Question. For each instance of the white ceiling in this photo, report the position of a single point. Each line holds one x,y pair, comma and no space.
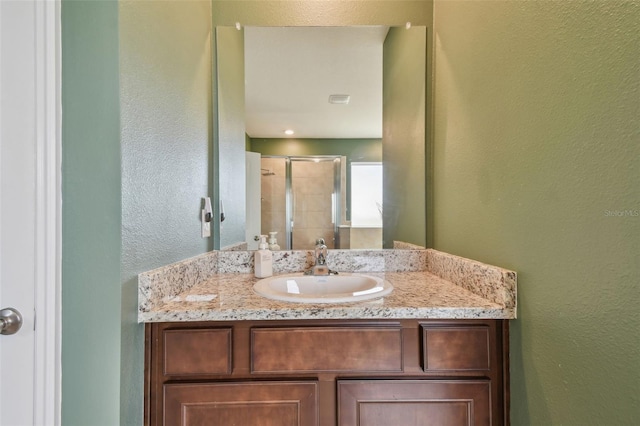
290,72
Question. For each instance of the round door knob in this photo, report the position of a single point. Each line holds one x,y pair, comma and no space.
10,321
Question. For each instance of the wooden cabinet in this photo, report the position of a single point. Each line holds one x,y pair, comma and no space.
244,404
414,402
327,373
344,348
196,352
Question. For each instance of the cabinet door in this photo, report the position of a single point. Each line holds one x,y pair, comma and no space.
242,404
451,347
414,403
197,352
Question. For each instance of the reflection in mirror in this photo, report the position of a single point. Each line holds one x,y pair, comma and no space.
353,99
302,200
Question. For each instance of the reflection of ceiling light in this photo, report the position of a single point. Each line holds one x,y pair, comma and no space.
289,132
339,99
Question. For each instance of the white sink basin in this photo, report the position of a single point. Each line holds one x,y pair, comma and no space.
341,288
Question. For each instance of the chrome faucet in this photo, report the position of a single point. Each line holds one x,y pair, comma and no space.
320,252
320,260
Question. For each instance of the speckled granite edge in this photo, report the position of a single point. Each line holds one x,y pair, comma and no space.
159,284
347,312
495,284
338,260
405,260
420,294
242,262
377,260
490,282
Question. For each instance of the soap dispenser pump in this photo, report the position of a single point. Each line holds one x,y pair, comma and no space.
263,259
273,243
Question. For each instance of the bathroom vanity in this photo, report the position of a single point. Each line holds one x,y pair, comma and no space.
434,349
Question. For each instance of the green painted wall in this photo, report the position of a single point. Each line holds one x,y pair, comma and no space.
353,149
537,159
91,243
536,169
136,142
166,121
135,165
322,13
404,136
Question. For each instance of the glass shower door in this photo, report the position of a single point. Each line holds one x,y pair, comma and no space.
314,198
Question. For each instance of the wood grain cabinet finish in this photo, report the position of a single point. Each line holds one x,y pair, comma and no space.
322,349
456,347
196,352
242,404
327,373
414,402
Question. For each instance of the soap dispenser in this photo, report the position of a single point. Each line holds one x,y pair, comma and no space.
263,259
273,243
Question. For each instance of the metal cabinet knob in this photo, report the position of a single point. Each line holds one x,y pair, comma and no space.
10,321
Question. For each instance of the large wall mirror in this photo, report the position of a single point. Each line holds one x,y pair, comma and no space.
320,134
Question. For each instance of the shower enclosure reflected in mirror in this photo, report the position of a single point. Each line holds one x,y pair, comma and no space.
301,199
263,88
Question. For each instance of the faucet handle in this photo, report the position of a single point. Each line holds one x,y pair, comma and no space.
321,254
320,241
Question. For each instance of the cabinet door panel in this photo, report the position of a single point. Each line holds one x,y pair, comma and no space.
382,413
414,403
246,404
277,413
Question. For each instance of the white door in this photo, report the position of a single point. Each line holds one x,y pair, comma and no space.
29,210
254,203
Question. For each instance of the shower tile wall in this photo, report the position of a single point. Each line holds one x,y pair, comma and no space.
273,187
312,186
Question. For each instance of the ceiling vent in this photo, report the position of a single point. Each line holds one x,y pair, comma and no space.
339,99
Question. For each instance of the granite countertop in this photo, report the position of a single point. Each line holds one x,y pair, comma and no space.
227,297
437,289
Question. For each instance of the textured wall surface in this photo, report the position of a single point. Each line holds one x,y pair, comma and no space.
165,95
131,195
90,214
321,12
537,160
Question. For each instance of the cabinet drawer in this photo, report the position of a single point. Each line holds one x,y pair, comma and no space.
464,347
246,404
197,351
414,402
323,349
